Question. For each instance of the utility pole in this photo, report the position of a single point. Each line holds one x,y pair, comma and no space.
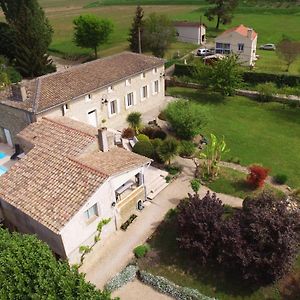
140,42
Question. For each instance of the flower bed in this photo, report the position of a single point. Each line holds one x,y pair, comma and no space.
128,222
122,278
165,286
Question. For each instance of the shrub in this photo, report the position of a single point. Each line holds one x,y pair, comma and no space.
186,118
199,226
186,148
168,149
128,133
257,176
174,169
122,278
166,286
144,148
125,225
195,185
266,91
280,178
168,178
141,251
143,138
154,132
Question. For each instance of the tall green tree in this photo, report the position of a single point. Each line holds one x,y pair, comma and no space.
28,270
135,33
158,34
90,31
7,40
32,36
222,9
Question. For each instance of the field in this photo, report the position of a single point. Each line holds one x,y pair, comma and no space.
270,23
264,133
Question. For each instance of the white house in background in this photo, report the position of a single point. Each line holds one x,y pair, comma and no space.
240,40
100,92
71,177
190,32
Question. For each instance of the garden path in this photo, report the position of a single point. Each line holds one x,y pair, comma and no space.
111,255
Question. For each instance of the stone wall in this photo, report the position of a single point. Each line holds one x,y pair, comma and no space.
14,120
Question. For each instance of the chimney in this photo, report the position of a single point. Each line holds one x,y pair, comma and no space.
249,33
102,139
18,92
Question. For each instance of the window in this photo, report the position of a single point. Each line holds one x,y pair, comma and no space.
241,47
129,100
144,92
223,48
156,87
113,107
110,89
128,82
88,97
91,212
154,70
143,75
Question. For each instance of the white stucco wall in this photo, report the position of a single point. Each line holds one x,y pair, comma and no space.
79,108
246,57
190,34
79,232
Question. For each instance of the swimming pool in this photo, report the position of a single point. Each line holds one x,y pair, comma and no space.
2,170
2,155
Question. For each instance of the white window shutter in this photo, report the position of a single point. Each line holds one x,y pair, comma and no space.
109,109
148,90
125,102
153,88
118,106
134,98
141,93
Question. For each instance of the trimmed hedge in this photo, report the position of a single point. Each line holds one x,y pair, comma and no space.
122,278
167,287
249,77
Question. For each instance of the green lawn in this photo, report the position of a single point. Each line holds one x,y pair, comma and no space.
261,17
265,133
168,261
232,182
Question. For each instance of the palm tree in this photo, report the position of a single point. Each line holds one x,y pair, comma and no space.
134,120
168,149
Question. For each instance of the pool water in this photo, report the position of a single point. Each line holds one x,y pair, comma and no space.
2,155
2,170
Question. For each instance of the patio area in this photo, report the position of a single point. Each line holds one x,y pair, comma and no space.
5,162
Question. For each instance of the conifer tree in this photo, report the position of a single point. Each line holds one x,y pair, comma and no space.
137,25
32,36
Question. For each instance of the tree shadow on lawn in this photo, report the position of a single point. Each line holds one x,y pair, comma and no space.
168,256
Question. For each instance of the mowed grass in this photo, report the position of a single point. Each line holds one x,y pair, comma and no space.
264,133
270,23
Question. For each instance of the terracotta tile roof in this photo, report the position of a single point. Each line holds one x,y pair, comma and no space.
51,183
188,24
241,29
54,89
115,161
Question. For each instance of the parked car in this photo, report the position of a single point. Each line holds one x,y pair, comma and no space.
271,47
203,52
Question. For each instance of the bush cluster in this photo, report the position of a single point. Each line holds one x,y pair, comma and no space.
122,278
257,243
257,176
141,250
167,287
154,133
280,178
128,133
144,148
187,148
143,138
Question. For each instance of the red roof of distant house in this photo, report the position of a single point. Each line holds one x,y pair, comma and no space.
242,30
188,24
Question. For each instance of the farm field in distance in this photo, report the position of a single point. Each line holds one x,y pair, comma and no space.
261,17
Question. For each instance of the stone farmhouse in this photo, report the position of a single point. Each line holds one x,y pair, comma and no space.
240,40
71,177
100,93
